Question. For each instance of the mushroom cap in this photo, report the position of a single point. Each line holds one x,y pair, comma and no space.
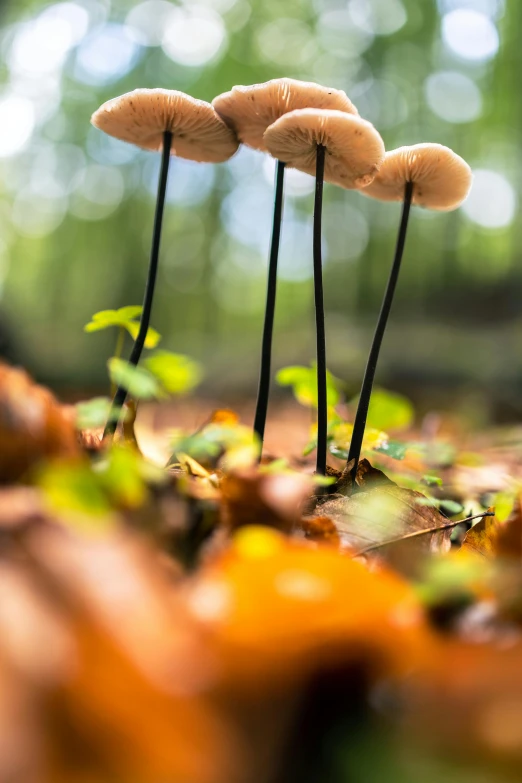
441,178
354,149
142,116
250,110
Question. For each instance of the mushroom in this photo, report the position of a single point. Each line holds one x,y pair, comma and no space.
428,175
170,122
442,179
344,149
250,111
355,149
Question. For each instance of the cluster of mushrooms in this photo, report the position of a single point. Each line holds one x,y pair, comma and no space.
314,129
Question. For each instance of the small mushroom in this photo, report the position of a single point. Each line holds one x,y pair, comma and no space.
354,149
170,122
250,111
428,175
343,149
441,178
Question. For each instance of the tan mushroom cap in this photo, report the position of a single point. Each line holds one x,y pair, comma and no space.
441,178
141,117
354,149
250,110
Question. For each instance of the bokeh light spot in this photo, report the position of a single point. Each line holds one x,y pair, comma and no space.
39,209
297,183
492,8
16,124
193,35
286,42
339,34
453,96
379,17
189,184
40,46
470,34
106,55
492,202
146,22
99,193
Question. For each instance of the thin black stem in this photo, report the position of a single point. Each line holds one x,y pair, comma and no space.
121,393
268,328
369,375
322,411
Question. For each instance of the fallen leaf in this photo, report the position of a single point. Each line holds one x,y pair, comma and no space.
468,701
321,530
251,497
482,537
132,666
509,539
33,425
278,609
386,519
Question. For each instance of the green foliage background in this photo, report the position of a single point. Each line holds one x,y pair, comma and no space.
457,320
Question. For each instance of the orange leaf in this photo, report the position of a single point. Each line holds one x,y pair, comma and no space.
482,538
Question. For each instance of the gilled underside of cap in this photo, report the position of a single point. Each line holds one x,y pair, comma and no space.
354,149
141,117
250,110
441,178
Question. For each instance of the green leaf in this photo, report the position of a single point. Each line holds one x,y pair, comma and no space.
138,381
303,381
120,474
152,339
323,481
394,449
177,373
73,487
432,481
197,446
445,578
213,440
450,507
94,413
128,312
276,467
389,411
124,319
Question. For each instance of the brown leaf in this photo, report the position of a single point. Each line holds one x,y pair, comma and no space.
509,539
482,537
390,521
20,507
33,425
469,700
126,666
367,477
321,530
253,498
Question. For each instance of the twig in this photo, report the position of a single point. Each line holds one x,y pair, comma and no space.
448,526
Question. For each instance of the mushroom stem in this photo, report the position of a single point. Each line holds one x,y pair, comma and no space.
322,414
369,375
268,327
121,393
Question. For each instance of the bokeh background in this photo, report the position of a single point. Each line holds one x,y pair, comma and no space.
76,206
